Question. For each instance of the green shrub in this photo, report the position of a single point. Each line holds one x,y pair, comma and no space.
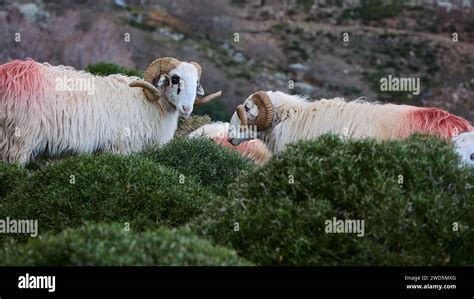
141,25
409,193
106,68
374,10
212,165
216,110
11,176
305,4
188,125
240,3
106,188
111,245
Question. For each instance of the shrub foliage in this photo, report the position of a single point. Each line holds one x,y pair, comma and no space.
105,188
107,68
11,176
212,165
417,205
112,245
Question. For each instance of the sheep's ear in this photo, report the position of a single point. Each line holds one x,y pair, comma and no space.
163,80
200,90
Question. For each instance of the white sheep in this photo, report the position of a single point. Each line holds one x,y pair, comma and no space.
56,110
464,146
211,131
255,149
278,119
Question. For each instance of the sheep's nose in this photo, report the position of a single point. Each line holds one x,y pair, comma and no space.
472,157
187,109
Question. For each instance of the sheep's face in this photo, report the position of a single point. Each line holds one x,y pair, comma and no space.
168,79
251,110
251,118
237,132
464,146
180,87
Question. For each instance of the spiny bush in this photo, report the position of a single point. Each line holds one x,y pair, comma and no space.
187,125
112,245
107,68
212,165
11,176
106,188
417,205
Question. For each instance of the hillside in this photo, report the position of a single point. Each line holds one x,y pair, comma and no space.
295,46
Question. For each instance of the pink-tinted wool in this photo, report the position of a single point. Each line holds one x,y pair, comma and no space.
254,149
438,122
22,81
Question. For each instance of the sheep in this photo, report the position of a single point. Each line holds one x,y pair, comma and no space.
51,111
211,130
464,146
255,150
278,119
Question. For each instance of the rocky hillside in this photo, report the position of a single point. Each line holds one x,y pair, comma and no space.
317,48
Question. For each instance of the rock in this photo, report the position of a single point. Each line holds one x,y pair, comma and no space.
280,76
29,11
298,68
239,57
32,12
120,3
172,35
304,88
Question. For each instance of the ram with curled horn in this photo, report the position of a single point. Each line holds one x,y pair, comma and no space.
115,113
279,119
172,73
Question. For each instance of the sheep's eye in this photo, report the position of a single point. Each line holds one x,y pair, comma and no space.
175,79
472,157
246,109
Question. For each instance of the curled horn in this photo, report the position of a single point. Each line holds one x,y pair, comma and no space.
164,66
153,71
241,114
148,87
207,99
265,110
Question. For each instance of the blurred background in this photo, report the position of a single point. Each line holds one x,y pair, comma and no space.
294,46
